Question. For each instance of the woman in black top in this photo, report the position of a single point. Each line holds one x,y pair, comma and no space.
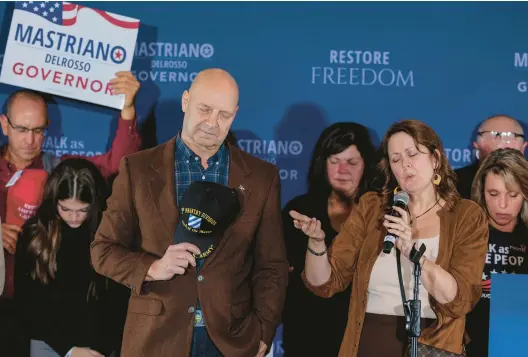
501,188
342,167
67,309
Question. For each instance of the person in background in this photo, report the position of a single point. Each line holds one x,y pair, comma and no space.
501,189
342,166
499,131
25,123
454,231
65,307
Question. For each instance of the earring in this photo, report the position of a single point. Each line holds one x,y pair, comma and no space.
396,189
437,179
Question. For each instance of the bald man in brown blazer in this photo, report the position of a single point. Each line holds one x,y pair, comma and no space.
240,288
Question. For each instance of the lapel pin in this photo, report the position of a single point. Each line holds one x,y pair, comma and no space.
241,188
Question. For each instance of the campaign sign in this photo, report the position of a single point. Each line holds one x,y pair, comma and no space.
68,50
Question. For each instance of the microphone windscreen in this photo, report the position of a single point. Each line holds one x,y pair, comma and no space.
402,197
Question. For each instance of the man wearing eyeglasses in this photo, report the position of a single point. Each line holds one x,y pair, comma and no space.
25,123
499,131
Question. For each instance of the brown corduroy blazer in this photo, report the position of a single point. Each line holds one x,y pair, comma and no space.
242,284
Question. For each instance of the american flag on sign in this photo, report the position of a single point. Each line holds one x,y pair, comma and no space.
65,13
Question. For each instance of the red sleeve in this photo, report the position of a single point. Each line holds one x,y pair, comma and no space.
126,142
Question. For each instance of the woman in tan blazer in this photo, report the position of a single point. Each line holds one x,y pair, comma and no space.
454,231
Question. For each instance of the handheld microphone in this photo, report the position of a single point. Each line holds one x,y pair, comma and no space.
401,199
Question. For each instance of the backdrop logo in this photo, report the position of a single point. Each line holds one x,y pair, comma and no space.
459,157
275,151
361,68
170,62
61,145
271,147
520,60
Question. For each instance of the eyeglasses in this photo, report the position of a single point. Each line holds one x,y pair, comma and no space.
41,131
504,136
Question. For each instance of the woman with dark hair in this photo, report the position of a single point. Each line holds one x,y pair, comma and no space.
342,165
67,308
500,187
453,230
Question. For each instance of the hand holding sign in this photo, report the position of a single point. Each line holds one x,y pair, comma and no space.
69,50
126,84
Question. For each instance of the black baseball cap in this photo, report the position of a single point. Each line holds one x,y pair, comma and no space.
206,210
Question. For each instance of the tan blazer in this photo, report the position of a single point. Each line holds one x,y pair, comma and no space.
462,252
241,286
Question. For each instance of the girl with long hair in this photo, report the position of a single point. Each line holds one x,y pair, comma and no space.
67,308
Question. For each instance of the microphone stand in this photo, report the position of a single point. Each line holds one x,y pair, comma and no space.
414,306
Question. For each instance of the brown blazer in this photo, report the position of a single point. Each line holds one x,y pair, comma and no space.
462,253
241,286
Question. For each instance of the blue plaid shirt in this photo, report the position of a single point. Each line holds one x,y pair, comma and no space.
189,169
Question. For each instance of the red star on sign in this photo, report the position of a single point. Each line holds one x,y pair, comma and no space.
118,54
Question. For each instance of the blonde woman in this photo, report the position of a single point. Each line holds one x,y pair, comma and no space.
500,187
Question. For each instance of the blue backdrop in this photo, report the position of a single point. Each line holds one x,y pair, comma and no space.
303,66
508,315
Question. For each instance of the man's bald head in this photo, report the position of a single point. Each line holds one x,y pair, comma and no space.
217,78
210,106
23,97
501,123
487,142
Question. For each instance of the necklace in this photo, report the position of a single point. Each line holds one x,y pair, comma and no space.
415,218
